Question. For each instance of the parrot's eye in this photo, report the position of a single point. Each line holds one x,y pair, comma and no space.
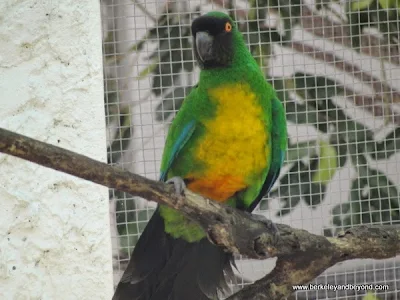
228,27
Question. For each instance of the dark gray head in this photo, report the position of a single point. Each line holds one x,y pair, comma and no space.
213,40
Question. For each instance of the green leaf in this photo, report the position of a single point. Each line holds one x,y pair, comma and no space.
360,4
327,164
387,3
370,296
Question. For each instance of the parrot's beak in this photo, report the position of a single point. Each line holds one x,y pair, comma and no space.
204,42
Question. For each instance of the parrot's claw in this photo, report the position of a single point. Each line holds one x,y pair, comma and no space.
179,185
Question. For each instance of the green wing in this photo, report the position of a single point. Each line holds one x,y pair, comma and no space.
184,135
179,133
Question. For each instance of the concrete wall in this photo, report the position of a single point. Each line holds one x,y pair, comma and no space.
54,228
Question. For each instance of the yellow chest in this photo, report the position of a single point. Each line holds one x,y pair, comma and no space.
234,147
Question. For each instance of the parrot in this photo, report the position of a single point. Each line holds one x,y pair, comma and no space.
227,143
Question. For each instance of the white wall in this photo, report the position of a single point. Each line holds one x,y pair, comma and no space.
54,228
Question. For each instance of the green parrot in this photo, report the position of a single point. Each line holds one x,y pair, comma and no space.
226,143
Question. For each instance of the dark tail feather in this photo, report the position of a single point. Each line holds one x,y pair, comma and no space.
164,268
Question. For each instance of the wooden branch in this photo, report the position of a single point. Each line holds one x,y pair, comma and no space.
227,227
302,256
312,254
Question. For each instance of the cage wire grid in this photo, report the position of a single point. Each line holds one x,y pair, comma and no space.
336,68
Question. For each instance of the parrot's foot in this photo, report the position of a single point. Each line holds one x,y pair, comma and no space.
179,185
271,227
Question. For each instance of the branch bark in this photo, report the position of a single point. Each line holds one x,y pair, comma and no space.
302,256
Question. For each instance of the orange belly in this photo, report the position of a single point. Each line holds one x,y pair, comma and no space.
218,188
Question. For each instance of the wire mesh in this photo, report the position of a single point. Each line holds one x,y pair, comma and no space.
335,66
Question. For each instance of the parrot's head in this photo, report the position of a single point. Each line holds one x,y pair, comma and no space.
213,38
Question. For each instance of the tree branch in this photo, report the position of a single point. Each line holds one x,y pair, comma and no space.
312,254
302,256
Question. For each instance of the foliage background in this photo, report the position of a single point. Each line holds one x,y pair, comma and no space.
335,65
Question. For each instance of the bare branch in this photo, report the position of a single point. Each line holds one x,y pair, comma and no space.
302,256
